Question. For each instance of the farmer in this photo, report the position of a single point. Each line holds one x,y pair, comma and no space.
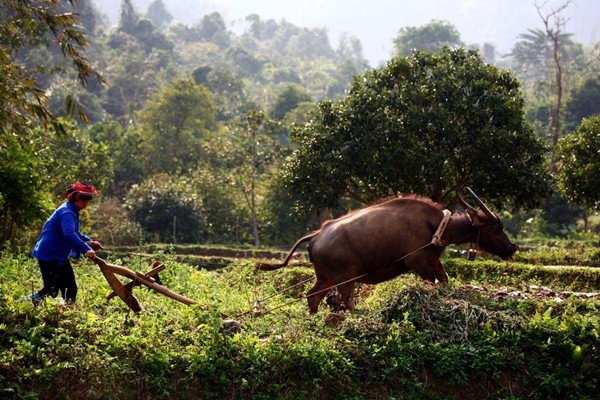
60,238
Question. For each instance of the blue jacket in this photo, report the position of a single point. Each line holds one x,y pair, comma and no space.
60,235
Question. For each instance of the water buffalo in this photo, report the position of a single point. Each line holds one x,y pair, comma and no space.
377,243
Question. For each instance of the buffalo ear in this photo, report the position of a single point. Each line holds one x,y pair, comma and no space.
475,218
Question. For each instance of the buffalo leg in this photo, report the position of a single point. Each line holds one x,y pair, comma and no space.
347,292
440,272
425,272
317,294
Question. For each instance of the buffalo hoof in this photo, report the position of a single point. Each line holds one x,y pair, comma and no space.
230,327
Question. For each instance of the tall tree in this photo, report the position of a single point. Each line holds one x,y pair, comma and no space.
129,17
428,124
159,15
172,124
579,164
289,98
430,37
26,26
554,24
23,199
255,151
584,101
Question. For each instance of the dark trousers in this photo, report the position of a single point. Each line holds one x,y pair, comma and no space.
57,277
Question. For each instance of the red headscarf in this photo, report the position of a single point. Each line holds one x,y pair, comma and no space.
81,189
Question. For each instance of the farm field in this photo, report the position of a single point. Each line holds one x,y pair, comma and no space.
529,329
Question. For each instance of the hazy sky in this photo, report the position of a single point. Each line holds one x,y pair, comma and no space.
376,22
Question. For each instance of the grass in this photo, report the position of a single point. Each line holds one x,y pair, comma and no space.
498,331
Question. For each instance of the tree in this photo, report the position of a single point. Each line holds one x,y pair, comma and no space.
280,223
579,164
159,15
23,195
289,98
34,24
74,156
27,27
254,152
428,124
430,37
147,34
554,35
129,17
213,28
584,102
173,122
530,56
228,90
134,76
167,208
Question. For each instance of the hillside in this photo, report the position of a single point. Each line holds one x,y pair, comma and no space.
497,331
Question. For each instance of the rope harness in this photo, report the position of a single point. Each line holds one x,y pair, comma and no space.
436,240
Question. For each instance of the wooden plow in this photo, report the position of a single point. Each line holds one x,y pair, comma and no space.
137,278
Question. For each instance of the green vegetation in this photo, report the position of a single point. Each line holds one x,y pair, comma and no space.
498,331
196,134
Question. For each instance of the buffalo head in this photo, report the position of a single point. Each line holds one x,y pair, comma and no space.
490,231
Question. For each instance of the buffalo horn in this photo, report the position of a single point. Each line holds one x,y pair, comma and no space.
463,203
483,206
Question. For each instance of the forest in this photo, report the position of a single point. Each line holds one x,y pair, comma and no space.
196,134
214,151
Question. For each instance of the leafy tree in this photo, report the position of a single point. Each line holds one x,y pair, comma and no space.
225,219
280,224
25,29
308,44
287,100
129,17
254,153
74,156
262,30
90,17
559,217
134,76
27,25
554,34
23,192
579,164
351,62
143,30
430,37
228,90
584,102
123,146
172,124
530,56
112,224
200,207
427,124
544,60
159,15
167,208
212,28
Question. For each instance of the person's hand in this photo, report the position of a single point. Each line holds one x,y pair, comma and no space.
95,245
91,254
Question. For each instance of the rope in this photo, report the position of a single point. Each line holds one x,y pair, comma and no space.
412,252
286,289
310,295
